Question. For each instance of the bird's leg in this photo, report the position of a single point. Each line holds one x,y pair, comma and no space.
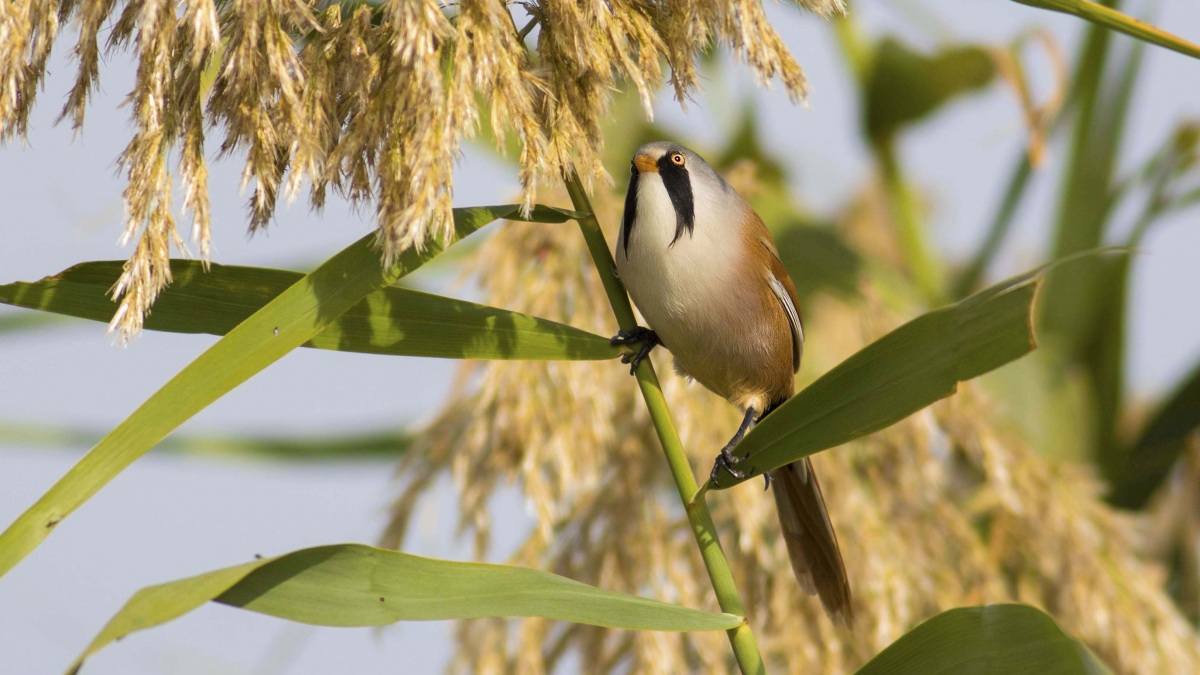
725,458
639,335
766,476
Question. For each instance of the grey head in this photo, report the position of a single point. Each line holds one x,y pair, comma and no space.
686,177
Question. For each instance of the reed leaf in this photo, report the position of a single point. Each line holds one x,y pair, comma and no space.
1112,19
294,317
1010,639
1085,303
357,585
905,86
373,445
392,320
1161,443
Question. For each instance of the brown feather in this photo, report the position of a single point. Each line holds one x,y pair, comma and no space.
732,345
765,256
722,302
811,542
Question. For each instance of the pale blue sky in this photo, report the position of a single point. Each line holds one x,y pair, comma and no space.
169,517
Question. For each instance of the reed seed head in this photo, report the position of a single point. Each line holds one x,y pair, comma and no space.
371,100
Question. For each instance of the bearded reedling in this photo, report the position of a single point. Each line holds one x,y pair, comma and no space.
704,272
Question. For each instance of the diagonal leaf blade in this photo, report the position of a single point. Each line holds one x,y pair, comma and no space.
911,367
357,585
394,321
383,444
1162,442
294,317
1112,19
1010,639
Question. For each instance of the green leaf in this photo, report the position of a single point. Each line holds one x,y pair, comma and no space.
1084,319
911,367
1111,18
25,322
900,87
1009,639
904,86
971,276
1134,471
373,445
1162,442
356,585
1104,363
396,321
303,311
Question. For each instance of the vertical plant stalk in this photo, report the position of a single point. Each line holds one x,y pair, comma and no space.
902,201
1103,15
999,229
855,49
745,647
1083,198
1080,307
905,211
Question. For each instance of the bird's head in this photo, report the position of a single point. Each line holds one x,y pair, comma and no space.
687,180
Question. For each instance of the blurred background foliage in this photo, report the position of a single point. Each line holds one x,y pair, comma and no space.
871,259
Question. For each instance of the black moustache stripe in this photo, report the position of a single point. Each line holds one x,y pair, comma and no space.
679,189
630,208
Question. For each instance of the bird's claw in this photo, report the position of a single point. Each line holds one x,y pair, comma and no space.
726,460
635,359
632,336
646,340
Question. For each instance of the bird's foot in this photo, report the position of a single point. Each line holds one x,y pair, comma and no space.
633,336
726,460
646,340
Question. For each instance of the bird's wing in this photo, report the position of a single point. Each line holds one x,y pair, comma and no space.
783,288
787,298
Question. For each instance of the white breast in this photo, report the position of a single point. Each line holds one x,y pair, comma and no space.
681,289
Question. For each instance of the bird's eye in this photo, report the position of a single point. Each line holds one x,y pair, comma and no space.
677,159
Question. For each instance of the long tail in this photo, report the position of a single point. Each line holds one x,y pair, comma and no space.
811,542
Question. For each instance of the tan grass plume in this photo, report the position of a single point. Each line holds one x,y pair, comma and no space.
371,100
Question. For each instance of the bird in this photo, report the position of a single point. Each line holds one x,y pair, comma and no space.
706,276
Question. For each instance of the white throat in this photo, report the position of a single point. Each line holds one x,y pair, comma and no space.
674,284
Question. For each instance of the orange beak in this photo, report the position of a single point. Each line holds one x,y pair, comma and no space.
645,164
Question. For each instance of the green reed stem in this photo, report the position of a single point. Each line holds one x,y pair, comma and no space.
745,647
1001,224
911,234
1110,18
903,204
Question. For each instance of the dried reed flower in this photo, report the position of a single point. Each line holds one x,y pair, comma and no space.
27,32
371,100
1038,117
824,7
945,509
